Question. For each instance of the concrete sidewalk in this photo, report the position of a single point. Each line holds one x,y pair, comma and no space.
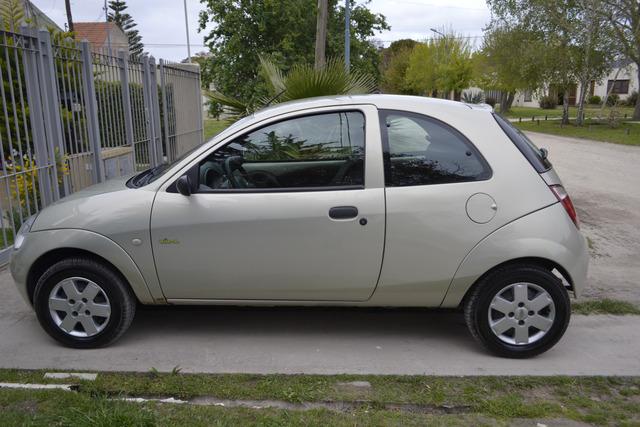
313,341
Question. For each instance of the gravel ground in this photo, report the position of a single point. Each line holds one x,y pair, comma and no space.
604,182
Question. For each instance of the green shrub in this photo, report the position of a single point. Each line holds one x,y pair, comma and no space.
612,99
632,99
594,100
548,102
491,101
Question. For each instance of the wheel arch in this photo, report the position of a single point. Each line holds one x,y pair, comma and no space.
45,248
48,259
545,263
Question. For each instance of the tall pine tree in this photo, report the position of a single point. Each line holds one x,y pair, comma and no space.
126,24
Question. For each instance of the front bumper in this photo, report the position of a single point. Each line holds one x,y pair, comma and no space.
19,268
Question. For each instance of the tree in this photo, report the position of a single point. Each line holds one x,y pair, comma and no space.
302,81
365,51
321,33
12,14
127,25
566,29
421,74
596,50
205,61
440,66
284,31
511,59
393,66
624,18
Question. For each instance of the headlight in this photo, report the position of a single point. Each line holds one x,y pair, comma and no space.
24,229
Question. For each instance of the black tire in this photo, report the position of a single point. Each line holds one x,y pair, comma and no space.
476,309
121,299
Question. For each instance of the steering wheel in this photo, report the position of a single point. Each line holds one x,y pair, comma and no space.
232,164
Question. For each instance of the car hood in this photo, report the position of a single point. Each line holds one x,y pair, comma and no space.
109,186
108,208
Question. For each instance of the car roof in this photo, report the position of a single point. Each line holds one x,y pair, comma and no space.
391,102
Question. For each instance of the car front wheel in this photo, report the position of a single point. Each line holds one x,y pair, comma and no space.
518,311
83,303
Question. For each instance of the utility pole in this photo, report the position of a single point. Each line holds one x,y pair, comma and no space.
347,35
321,33
106,19
67,5
186,26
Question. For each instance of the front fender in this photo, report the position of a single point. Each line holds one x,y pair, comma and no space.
547,234
39,243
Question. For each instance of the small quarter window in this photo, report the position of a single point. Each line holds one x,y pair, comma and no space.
420,150
311,152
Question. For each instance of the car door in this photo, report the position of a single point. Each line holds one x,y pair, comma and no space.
289,210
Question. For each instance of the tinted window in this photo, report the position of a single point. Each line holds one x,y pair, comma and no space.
318,151
422,151
524,144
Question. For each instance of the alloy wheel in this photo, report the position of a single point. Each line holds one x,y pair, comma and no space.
521,313
79,307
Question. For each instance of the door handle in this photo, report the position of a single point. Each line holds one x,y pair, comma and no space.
343,212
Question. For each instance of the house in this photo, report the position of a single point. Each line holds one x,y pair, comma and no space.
102,36
622,80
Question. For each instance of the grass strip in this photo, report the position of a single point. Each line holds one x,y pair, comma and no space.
486,400
626,134
605,306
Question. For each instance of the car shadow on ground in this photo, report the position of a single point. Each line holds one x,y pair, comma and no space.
237,322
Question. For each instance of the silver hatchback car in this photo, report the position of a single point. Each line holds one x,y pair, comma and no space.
378,200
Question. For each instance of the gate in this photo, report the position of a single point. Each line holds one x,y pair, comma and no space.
73,116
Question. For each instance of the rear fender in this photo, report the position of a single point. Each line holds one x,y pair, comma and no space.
546,234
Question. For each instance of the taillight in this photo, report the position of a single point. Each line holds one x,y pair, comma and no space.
564,198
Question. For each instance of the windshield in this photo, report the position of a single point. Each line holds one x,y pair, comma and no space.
152,174
149,175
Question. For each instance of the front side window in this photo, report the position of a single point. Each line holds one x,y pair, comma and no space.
312,152
420,150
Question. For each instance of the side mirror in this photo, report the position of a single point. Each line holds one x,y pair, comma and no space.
183,185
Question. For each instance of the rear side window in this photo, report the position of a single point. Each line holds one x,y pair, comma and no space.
524,144
420,150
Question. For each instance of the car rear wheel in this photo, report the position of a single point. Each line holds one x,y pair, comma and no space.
83,303
518,311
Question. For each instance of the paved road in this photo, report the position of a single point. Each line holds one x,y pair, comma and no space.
320,341
603,180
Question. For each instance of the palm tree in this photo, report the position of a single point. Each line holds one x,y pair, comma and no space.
302,81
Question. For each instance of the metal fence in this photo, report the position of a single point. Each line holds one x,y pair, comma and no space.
72,116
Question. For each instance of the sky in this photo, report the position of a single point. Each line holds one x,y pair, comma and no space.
162,26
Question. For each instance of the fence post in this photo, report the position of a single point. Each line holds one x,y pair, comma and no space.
148,108
153,86
201,116
126,99
165,117
91,112
34,101
51,104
